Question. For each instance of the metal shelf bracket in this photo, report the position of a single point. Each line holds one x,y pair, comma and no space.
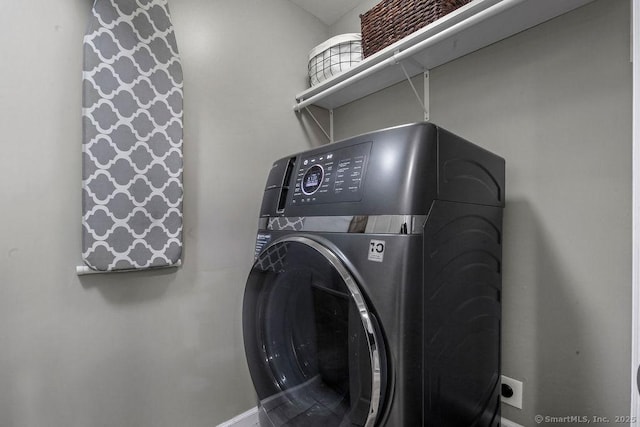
329,134
424,100
426,96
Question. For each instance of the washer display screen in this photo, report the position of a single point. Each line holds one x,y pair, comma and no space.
312,179
331,176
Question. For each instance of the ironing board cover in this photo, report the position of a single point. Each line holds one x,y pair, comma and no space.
132,188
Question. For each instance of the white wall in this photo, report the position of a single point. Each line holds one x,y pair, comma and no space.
138,349
555,101
350,22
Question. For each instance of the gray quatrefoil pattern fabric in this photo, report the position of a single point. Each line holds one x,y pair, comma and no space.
132,137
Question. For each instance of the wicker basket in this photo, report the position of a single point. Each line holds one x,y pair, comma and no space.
391,20
334,56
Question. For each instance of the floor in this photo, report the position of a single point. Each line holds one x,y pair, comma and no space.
250,419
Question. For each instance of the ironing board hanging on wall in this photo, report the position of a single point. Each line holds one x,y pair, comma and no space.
132,188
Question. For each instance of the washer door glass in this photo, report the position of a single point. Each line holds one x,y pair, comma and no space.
312,346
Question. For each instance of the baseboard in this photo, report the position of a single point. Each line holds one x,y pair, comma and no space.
246,419
250,419
508,423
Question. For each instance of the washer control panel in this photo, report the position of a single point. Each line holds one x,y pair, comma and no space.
332,176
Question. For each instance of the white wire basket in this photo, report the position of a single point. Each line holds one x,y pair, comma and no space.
334,56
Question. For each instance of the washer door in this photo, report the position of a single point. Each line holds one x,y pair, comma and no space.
313,347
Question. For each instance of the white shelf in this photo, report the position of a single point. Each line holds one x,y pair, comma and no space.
473,26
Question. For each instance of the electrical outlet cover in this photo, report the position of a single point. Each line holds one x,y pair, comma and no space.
516,386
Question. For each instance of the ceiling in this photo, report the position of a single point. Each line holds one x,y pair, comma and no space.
328,11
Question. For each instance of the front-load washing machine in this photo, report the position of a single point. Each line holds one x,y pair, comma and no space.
374,299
